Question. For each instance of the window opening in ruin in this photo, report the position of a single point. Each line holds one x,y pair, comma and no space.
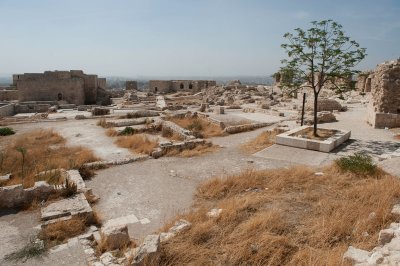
182,86
190,86
155,89
60,97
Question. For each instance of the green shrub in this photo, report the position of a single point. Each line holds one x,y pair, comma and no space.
127,131
359,163
6,131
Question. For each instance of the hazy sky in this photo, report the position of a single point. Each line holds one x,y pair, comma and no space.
179,37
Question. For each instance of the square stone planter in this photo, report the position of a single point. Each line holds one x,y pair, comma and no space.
290,138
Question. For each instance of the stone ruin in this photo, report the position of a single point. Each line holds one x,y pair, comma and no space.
384,106
364,81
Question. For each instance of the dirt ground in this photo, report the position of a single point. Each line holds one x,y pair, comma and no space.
155,190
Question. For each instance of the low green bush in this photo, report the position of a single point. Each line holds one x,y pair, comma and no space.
127,131
358,163
6,131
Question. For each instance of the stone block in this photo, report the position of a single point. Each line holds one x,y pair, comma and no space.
148,252
385,236
115,236
355,255
219,110
73,206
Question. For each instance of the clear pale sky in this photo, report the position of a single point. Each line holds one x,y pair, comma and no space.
179,37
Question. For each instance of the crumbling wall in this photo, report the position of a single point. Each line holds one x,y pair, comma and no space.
166,86
73,86
16,196
8,94
7,110
384,106
51,89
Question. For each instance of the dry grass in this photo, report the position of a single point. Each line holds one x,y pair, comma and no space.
262,141
139,143
284,217
102,122
322,134
197,151
199,126
43,150
168,133
111,132
58,233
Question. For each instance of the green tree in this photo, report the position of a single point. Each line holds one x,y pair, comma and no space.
319,55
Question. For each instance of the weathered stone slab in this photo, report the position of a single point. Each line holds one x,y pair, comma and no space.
115,236
75,177
148,252
75,205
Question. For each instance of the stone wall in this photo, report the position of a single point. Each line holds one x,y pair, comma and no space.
384,105
167,86
8,94
73,86
323,105
50,89
16,196
7,110
364,81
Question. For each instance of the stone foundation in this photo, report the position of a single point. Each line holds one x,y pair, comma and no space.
16,196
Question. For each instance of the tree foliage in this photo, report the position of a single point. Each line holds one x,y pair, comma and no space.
319,55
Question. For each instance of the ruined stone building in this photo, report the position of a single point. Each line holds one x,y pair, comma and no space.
73,87
167,86
364,81
384,105
131,85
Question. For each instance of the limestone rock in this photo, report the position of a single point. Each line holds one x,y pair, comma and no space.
148,252
214,213
355,255
115,236
385,236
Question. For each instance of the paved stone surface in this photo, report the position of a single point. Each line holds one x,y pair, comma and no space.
295,155
392,166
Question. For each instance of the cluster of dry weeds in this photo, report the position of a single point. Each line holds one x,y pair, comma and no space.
284,217
31,153
262,141
196,151
138,143
200,126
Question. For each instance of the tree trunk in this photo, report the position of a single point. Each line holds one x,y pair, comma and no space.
315,114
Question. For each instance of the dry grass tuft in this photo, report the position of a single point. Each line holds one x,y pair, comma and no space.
262,141
58,233
30,153
137,143
111,132
102,122
197,151
284,217
200,127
